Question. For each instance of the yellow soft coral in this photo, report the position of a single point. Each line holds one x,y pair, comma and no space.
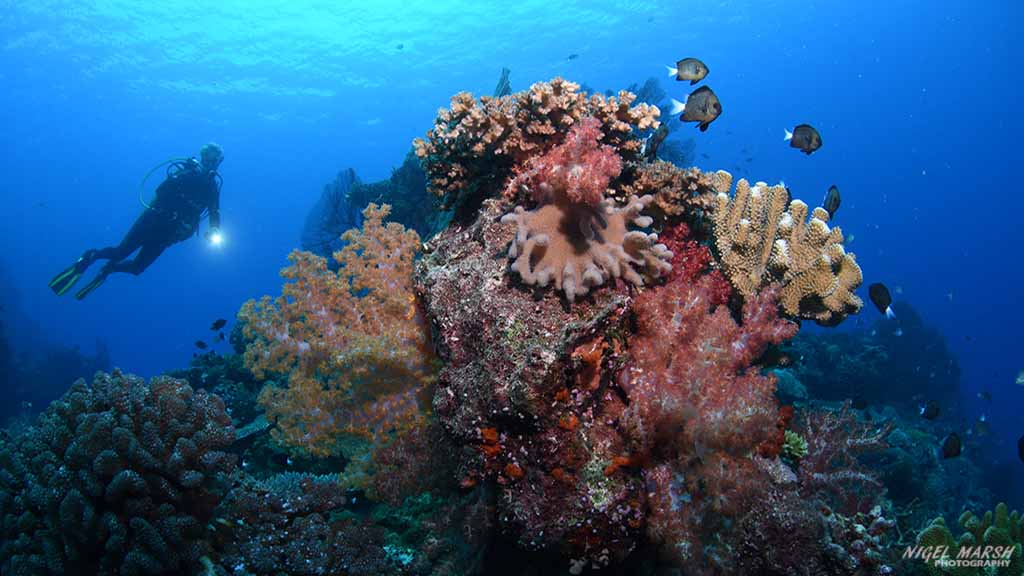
351,343
760,241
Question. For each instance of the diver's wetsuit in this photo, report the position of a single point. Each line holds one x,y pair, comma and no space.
173,216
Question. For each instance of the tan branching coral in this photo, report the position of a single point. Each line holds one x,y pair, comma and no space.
761,242
474,144
678,192
564,243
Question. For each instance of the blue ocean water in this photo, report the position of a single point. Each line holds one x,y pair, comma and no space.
917,104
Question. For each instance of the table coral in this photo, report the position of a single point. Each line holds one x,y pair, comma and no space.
350,343
118,477
760,241
576,239
474,144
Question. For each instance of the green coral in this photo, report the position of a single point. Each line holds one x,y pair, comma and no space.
998,527
794,447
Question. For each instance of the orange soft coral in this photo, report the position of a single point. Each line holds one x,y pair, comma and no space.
351,343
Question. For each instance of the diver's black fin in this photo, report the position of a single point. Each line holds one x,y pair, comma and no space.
96,283
704,127
63,282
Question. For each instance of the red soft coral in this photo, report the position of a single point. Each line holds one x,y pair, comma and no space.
698,406
577,171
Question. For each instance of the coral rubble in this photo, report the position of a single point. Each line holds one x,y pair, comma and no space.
762,237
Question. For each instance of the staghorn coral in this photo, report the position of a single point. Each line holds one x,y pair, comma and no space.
576,239
475,144
350,343
997,528
118,477
760,242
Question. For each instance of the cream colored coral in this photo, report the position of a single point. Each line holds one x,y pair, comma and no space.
760,241
578,247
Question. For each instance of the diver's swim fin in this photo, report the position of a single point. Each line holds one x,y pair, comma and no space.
96,283
63,282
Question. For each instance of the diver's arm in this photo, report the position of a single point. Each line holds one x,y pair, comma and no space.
215,208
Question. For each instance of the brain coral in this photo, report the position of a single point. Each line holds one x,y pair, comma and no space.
118,477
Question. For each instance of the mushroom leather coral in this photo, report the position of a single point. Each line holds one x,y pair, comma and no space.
351,343
575,238
760,242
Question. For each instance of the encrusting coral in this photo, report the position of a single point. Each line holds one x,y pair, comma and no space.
576,238
350,343
760,242
117,477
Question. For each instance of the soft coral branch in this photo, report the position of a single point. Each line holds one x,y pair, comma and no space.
351,343
576,171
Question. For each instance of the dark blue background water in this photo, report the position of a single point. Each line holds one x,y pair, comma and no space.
918,105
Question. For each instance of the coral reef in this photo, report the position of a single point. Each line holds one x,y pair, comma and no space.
226,376
779,534
350,343
117,477
575,238
997,528
680,152
506,393
760,242
794,447
474,145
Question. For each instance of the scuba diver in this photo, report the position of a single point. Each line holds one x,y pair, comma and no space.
190,190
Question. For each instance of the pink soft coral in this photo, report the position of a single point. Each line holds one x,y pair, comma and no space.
576,171
699,409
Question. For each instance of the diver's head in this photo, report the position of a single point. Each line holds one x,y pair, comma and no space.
210,156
